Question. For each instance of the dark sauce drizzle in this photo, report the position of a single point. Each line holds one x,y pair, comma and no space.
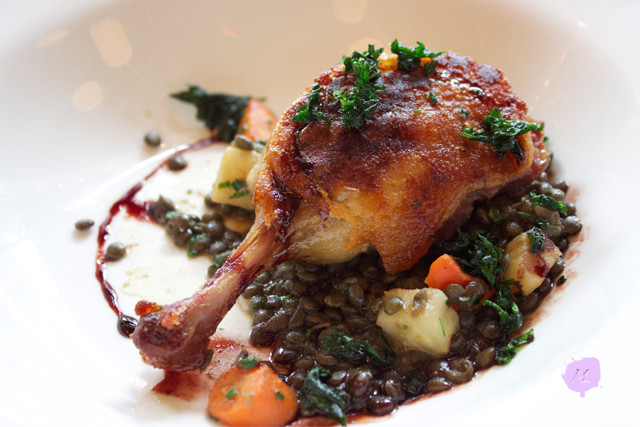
138,210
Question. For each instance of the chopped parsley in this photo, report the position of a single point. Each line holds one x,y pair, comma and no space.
444,334
476,253
536,240
501,133
344,288
317,397
220,112
352,349
239,186
506,353
279,395
432,98
464,113
310,111
494,215
547,202
359,104
429,68
220,259
193,242
415,204
409,58
539,222
231,393
248,362
260,303
508,311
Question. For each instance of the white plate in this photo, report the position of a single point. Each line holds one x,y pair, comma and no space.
81,84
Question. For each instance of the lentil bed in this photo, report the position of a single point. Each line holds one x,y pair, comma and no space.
295,306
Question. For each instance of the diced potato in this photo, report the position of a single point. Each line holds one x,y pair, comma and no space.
231,185
527,268
423,322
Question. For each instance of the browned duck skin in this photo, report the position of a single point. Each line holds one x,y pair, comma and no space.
325,192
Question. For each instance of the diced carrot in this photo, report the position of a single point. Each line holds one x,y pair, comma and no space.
252,397
446,270
258,121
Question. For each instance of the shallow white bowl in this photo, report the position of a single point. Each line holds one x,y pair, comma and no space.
79,89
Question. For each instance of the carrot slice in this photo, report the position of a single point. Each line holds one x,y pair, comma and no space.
257,122
446,270
252,397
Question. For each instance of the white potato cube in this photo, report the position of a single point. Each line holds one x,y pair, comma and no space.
527,268
424,321
231,186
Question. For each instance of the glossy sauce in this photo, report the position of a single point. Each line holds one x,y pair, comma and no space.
138,210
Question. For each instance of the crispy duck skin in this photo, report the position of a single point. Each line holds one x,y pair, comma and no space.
405,179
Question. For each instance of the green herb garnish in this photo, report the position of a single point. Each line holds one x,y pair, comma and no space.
352,349
192,251
359,104
476,253
539,222
231,393
536,240
409,58
220,259
429,68
248,362
501,133
547,202
310,111
239,186
444,334
279,395
506,353
317,397
464,113
220,112
495,216
343,287
432,98
508,312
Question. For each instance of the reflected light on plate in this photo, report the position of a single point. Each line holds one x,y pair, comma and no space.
87,96
350,11
53,38
229,33
112,42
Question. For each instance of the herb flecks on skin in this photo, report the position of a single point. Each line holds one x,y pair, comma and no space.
310,111
432,98
220,112
317,397
359,104
501,133
409,58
